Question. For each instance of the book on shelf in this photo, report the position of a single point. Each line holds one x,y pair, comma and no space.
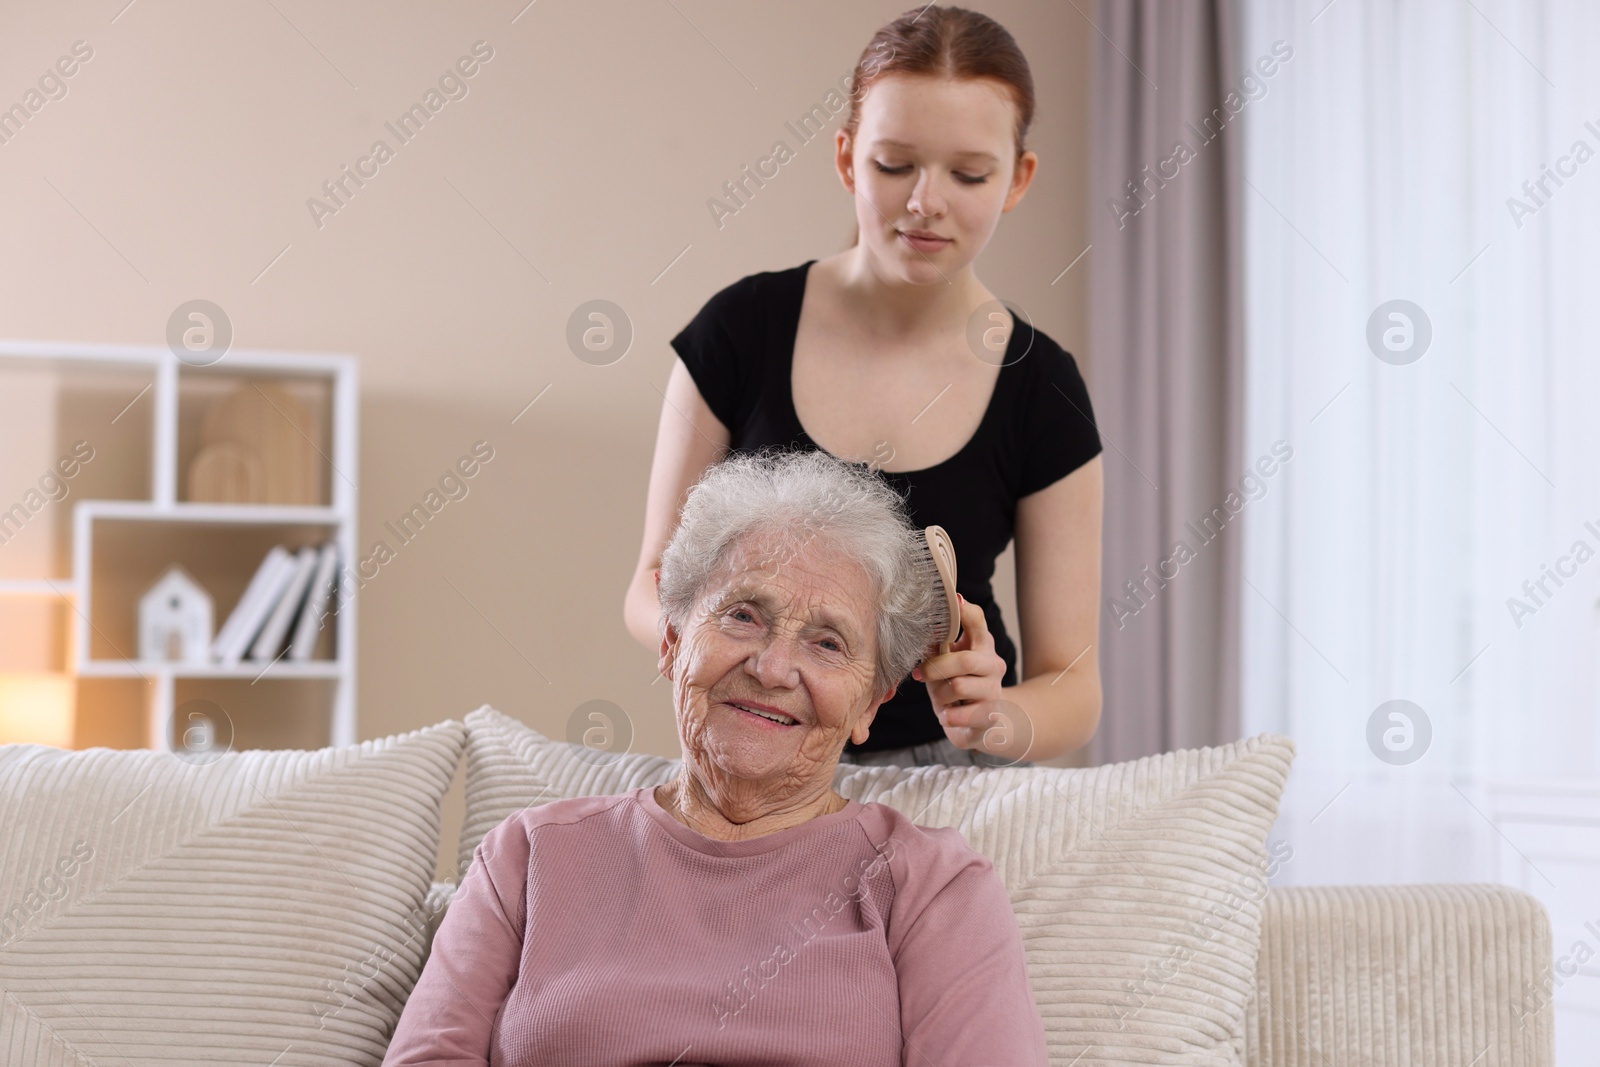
281,611
322,585
269,642
251,612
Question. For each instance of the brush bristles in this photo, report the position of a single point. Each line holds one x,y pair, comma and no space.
939,614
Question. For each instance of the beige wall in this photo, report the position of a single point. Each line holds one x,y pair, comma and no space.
578,165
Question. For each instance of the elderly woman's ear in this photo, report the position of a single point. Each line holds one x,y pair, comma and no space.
669,639
669,650
859,732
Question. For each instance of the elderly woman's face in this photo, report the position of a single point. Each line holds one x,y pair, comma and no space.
788,632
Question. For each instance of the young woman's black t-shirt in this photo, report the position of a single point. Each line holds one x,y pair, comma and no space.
1038,428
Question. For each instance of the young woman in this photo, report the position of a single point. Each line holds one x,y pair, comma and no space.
870,355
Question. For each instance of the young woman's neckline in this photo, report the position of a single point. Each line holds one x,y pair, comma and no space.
985,424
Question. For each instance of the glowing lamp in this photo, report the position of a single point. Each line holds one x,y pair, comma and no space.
37,707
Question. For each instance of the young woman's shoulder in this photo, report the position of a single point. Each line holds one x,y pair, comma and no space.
1044,360
757,290
722,345
1057,427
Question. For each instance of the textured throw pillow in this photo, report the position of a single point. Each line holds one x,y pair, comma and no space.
1137,886
263,907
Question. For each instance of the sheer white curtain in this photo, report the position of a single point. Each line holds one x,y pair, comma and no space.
1423,493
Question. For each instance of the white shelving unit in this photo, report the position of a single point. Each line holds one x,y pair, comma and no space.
164,517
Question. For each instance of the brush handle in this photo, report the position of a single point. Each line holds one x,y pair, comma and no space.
944,562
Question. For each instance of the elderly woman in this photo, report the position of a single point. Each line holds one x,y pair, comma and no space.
744,912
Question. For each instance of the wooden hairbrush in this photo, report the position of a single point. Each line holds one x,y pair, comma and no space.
947,611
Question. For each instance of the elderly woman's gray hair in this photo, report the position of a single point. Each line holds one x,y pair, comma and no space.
801,496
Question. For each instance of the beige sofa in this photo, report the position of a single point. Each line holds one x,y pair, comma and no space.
1349,976
1386,976
278,906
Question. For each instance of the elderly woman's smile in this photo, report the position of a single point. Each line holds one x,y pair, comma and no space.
784,633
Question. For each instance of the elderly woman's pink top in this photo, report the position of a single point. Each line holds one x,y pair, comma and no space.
600,930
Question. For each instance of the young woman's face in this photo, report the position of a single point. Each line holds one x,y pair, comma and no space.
932,156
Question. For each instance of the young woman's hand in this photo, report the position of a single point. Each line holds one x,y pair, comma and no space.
965,683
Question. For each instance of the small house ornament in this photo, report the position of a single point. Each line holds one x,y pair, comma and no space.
175,620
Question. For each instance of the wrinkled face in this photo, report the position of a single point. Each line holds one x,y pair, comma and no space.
935,155
787,630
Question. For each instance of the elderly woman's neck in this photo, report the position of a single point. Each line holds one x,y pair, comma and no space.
737,815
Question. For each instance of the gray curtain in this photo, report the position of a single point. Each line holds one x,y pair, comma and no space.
1166,360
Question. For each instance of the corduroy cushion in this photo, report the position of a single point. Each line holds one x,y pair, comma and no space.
265,908
1137,886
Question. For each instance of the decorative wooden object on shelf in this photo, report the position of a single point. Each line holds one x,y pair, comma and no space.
227,473
256,448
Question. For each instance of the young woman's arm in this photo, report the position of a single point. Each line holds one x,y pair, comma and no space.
1058,593
689,439
1058,604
